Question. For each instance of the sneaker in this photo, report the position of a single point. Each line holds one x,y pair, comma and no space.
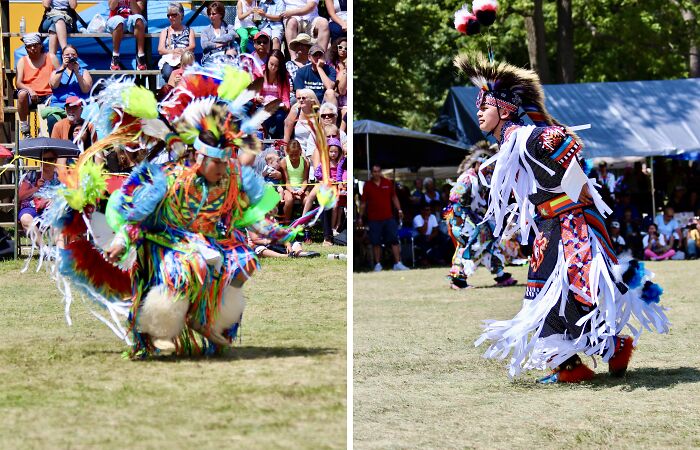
140,64
116,65
377,267
399,266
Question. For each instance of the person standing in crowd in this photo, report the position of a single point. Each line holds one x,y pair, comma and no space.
58,22
174,40
317,76
125,15
33,75
219,38
301,16
378,197
271,13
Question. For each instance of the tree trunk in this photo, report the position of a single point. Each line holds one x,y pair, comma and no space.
693,56
565,42
536,44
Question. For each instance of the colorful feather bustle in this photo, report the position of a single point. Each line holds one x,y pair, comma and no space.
142,191
81,260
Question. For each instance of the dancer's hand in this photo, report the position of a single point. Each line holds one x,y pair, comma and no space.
115,251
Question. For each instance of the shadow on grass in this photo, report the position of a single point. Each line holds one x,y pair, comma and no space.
650,378
234,354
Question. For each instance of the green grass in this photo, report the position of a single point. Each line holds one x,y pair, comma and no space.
420,383
284,386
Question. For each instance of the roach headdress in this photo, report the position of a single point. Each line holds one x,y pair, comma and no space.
506,86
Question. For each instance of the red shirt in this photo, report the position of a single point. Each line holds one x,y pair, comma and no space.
378,199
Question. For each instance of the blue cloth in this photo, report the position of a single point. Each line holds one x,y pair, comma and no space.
69,86
307,78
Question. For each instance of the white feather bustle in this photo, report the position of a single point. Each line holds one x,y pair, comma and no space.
162,314
230,313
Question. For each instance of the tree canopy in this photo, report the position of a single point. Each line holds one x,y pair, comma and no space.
404,48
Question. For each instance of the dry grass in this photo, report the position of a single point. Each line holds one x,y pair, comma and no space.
284,386
420,383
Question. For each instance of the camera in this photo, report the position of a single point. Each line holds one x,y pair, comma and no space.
73,59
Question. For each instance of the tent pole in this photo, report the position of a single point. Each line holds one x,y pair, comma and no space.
369,169
653,191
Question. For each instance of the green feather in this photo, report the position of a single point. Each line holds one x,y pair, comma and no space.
235,81
140,102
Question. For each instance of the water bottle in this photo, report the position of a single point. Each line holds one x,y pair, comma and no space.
22,26
340,256
256,17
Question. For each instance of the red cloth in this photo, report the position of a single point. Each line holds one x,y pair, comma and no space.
378,199
123,9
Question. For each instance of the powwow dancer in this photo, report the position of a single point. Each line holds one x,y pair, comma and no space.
178,242
472,236
579,297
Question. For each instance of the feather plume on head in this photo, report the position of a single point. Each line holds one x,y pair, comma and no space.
506,86
480,152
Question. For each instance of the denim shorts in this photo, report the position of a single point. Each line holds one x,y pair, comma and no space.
383,231
129,22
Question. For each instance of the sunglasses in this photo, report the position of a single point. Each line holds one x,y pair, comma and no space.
342,47
327,116
262,42
302,98
50,160
171,15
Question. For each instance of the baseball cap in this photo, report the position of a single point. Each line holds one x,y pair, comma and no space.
74,100
261,34
315,49
615,224
301,39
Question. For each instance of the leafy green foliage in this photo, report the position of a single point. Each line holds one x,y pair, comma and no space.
403,68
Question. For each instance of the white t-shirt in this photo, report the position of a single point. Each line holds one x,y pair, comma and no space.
418,222
296,4
667,229
311,142
660,243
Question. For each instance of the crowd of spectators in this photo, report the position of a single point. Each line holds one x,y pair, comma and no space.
298,57
670,232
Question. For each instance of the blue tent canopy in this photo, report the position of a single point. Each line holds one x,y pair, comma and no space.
631,118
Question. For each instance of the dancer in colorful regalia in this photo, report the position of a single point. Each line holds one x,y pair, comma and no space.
472,236
579,298
173,232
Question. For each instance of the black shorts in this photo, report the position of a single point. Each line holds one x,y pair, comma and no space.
383,231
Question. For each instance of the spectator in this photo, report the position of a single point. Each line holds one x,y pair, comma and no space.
378,197
186,60
33,74
655,247
335,154
607,182
275,89
630,230
617,240
126,15
254,63
428,239
338,13
244,25
58,21
431,196
342,180
266,248
297,121
669,228
295,169
70,127
338,59
300,46
329,118
317,76
174,40
693,238
301,16
271,12
31,204
69,80
218,39
272,173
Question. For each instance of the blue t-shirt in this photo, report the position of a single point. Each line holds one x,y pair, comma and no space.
307,78
69,86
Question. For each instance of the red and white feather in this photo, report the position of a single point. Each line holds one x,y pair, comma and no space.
462,17
484,5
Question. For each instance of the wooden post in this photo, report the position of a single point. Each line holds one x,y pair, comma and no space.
2,70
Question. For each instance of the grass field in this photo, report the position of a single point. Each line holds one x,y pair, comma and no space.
284,386
420,383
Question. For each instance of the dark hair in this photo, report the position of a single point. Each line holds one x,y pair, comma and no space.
281,69
63,50
208,138
333,52
217,7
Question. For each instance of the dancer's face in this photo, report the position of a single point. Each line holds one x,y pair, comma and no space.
213,169
488,117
